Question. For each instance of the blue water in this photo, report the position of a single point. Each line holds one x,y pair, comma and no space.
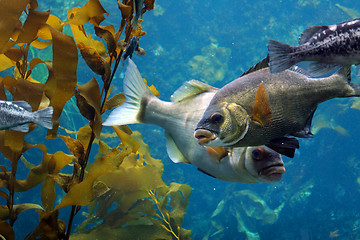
320,189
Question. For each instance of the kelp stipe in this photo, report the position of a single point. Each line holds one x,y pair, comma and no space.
125,174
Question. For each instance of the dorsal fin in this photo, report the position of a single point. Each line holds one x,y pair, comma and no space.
262,111
262,64
309,32
23,104
189,89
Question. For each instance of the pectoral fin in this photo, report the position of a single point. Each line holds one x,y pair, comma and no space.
217,153
262,111
173,151
285,146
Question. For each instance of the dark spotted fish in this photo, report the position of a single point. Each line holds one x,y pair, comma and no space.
329,46
16,115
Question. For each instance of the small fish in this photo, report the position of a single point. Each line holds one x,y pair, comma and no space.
138,6
330,47
261,108
15,116
179,118
131,47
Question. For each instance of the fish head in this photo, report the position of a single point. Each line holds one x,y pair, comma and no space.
264,164
222,124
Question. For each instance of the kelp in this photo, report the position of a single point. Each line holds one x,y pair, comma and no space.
125,175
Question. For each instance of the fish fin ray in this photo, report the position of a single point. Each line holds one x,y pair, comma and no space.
173,151
262,111
217,153
317,69
190,89
24,105
44,116
260,65
285,146
21,128
135,91
280,56
309,33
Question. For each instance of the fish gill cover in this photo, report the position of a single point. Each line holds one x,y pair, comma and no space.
124,176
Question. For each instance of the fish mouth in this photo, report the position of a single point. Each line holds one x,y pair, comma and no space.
204,136
273,172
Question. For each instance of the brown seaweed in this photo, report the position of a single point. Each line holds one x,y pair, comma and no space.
125,174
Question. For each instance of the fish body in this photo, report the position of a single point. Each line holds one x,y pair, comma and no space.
179,118
329,46
15,116
261,108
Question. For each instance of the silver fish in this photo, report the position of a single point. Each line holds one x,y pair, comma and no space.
15,116
261,108
329,46
179,118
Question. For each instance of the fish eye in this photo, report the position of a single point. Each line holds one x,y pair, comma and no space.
258,154
216,118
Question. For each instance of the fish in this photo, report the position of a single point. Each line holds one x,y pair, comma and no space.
137,8
179,117
131,47
261,108
329,47
15,115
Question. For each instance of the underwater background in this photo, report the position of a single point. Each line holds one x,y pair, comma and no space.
215,42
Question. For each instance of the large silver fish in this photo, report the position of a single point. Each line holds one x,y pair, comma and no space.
179,118
329,46
15,116
261,108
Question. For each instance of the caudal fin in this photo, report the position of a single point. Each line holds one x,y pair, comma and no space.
280,56
135,90
43,117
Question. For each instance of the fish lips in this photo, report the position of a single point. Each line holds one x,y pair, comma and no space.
273,172
204,136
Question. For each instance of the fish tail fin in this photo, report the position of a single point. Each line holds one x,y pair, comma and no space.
135,90
43,117
280,56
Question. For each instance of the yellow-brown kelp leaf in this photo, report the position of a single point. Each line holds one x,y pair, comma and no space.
6,231
84,135
30,92
14,54
48,193
149,4
49,227
108,37
115,101
5,62
74,145
2,89
10,11
65,59
179,201
33,22
83,193
91,93
85,109
18,208
14,140
37,174
92,9
125,10
126,139
92,58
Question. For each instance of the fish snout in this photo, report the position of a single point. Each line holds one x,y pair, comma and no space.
273,172
204,136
